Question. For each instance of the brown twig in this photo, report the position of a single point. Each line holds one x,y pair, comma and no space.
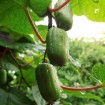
82,89
58,8
33,26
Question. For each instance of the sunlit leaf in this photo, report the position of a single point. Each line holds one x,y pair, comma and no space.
99,71
92,9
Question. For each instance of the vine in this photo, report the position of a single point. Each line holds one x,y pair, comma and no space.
59,7
82,89
19,65
34,27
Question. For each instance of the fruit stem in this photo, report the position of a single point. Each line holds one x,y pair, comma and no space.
82,89
49,20
59,7
34,28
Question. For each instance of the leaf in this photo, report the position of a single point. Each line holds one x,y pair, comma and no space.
37,96
16,46
94,11
3,97
34,16
28,70
84,95
43,30
76,7
65,102
22,2
28,74
14,97
99,72
9,64
13,16
74,62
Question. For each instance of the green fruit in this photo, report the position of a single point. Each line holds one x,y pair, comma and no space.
64,16
57,46
3,77
40,7
48,82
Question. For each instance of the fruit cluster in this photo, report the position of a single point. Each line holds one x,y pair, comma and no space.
57,49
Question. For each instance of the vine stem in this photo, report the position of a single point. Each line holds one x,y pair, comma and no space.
34,28
82,89
49,14
59,7
22,77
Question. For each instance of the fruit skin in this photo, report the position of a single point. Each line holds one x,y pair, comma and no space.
48,82
57,46
64,16
3,77
40,7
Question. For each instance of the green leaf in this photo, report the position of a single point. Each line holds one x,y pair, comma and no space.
65,102
13,16
92,10
9,64
23,2
34,16
84,95
28,74
99,72
37,96
14,97
76,7
3,97
17,46
43,29
74,62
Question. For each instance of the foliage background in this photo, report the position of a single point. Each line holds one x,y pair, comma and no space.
25,52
